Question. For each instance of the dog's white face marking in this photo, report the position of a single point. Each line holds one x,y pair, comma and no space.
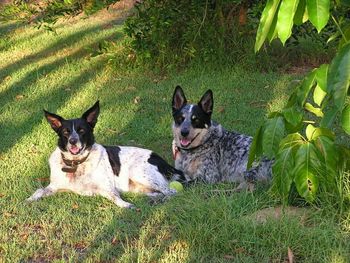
190,121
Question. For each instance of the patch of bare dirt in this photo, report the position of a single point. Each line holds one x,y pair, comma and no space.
276,213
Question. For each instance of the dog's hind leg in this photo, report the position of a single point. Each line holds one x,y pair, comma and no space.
42,192
262,172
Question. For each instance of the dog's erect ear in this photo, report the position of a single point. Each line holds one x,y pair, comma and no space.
91,114
207,102
54,120
179,99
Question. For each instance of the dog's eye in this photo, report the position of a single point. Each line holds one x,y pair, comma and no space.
81,131
195,119
66,132
180,119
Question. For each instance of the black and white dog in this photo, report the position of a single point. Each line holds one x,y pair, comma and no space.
80,165
204,151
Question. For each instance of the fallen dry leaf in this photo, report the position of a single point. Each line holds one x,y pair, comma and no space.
80,246
290,255
137,100
229,257
240,250
7,214
115,241
75,206
221,109
24,236
19,97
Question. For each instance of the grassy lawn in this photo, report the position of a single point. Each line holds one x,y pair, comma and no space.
39,71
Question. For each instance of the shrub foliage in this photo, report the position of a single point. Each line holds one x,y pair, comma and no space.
302,137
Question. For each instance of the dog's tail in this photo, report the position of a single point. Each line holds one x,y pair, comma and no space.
170,172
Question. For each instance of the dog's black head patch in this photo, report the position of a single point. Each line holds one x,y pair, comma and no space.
191,121
75,135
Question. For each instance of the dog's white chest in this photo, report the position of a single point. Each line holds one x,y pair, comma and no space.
90,178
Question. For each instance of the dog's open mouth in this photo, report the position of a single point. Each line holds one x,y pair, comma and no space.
73,149
186,142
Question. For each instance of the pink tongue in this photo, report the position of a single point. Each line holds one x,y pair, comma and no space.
185,142
74,149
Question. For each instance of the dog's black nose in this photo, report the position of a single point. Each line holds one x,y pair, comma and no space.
184,133
73,141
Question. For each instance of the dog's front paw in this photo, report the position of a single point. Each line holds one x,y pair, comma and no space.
30,199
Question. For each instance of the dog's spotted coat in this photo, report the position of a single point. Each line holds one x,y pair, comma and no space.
205,151
82,166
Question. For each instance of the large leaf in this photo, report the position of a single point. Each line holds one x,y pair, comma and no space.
292,140
329,117
282,173
285,19
273,133
318,11
305,177
273,30
312,133
345,119
266,20
255,148
301,16
327,148
339,76
305,87
309,131
319,95
317,111
293,115
321,77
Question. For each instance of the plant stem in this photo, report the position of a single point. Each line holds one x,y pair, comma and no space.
341,31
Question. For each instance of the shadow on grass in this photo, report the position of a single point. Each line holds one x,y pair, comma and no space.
33,107
52,49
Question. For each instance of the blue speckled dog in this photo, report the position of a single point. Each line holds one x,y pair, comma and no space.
205,151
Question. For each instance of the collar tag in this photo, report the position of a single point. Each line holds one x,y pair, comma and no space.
69,169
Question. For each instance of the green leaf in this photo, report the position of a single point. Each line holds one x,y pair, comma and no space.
293,115
266,20
329,117
273,133
327,148
312,133
317,111
282,173
285,19
318,11
345,119
299,17
310,129
255,149
339,76
321,77
305,178
292,140
273,30
305,87
319,95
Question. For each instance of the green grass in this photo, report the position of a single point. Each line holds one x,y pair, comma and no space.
203,224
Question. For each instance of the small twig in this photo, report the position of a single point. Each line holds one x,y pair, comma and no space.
341,31
202,23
